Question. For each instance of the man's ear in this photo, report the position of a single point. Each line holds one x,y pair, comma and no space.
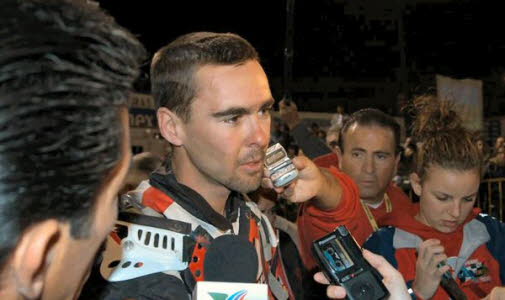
32,257
415,183
339,155
170,126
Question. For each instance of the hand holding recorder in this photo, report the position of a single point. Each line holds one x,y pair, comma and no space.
342,262
392,279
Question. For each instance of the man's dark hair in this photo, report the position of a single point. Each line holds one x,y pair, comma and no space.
174,66
65,70
371,117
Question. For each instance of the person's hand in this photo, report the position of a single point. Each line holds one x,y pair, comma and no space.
332,291
428,273
393,280
289,113
304,187
497,293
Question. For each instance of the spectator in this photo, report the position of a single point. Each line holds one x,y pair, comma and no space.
368,160
500,142
66,72
444,233
496,166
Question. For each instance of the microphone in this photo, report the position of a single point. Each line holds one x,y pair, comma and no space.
230,271
231,258
450,286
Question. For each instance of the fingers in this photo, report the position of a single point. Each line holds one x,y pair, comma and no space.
431,253
289,191
429,248
379,263
333,291
391,275
427,245
319,277
300,162
498,293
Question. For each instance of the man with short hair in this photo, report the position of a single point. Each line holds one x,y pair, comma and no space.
214,108
368,158
66,69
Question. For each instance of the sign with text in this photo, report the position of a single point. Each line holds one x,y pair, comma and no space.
142,111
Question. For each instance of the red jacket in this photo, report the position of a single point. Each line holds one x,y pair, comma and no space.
314,223
327,161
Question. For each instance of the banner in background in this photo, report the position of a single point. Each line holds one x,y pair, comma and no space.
467,95
142,111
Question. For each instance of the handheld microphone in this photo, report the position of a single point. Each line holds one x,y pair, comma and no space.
231,258
230,270
450,286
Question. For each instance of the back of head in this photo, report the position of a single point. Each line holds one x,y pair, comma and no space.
443,139
371,117
174,66
65,70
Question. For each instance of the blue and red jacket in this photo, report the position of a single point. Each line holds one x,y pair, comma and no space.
476,251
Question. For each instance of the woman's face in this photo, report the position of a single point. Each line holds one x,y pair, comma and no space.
446,196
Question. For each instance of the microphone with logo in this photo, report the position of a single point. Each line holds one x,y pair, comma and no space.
450,286
230,271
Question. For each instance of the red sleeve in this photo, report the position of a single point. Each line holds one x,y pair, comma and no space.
399,199
314,223
326,161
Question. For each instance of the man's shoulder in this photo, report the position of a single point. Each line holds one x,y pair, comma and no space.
381,242
397,195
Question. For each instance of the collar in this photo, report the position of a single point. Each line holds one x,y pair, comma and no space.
195,204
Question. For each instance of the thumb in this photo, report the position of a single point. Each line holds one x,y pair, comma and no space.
378,262
300,162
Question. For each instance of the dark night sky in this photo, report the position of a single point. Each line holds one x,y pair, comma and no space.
354,40
158,22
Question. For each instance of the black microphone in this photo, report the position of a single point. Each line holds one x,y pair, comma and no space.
230,270
451,286
231,258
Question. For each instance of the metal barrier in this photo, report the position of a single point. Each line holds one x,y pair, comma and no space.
491,197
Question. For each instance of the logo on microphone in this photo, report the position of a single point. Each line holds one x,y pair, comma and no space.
240,295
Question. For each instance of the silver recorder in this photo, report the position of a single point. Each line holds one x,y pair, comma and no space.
282,171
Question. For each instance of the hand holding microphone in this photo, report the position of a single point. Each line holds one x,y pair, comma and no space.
432,272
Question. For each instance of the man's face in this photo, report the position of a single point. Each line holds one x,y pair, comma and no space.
447,197
369,158
72,262
229,129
